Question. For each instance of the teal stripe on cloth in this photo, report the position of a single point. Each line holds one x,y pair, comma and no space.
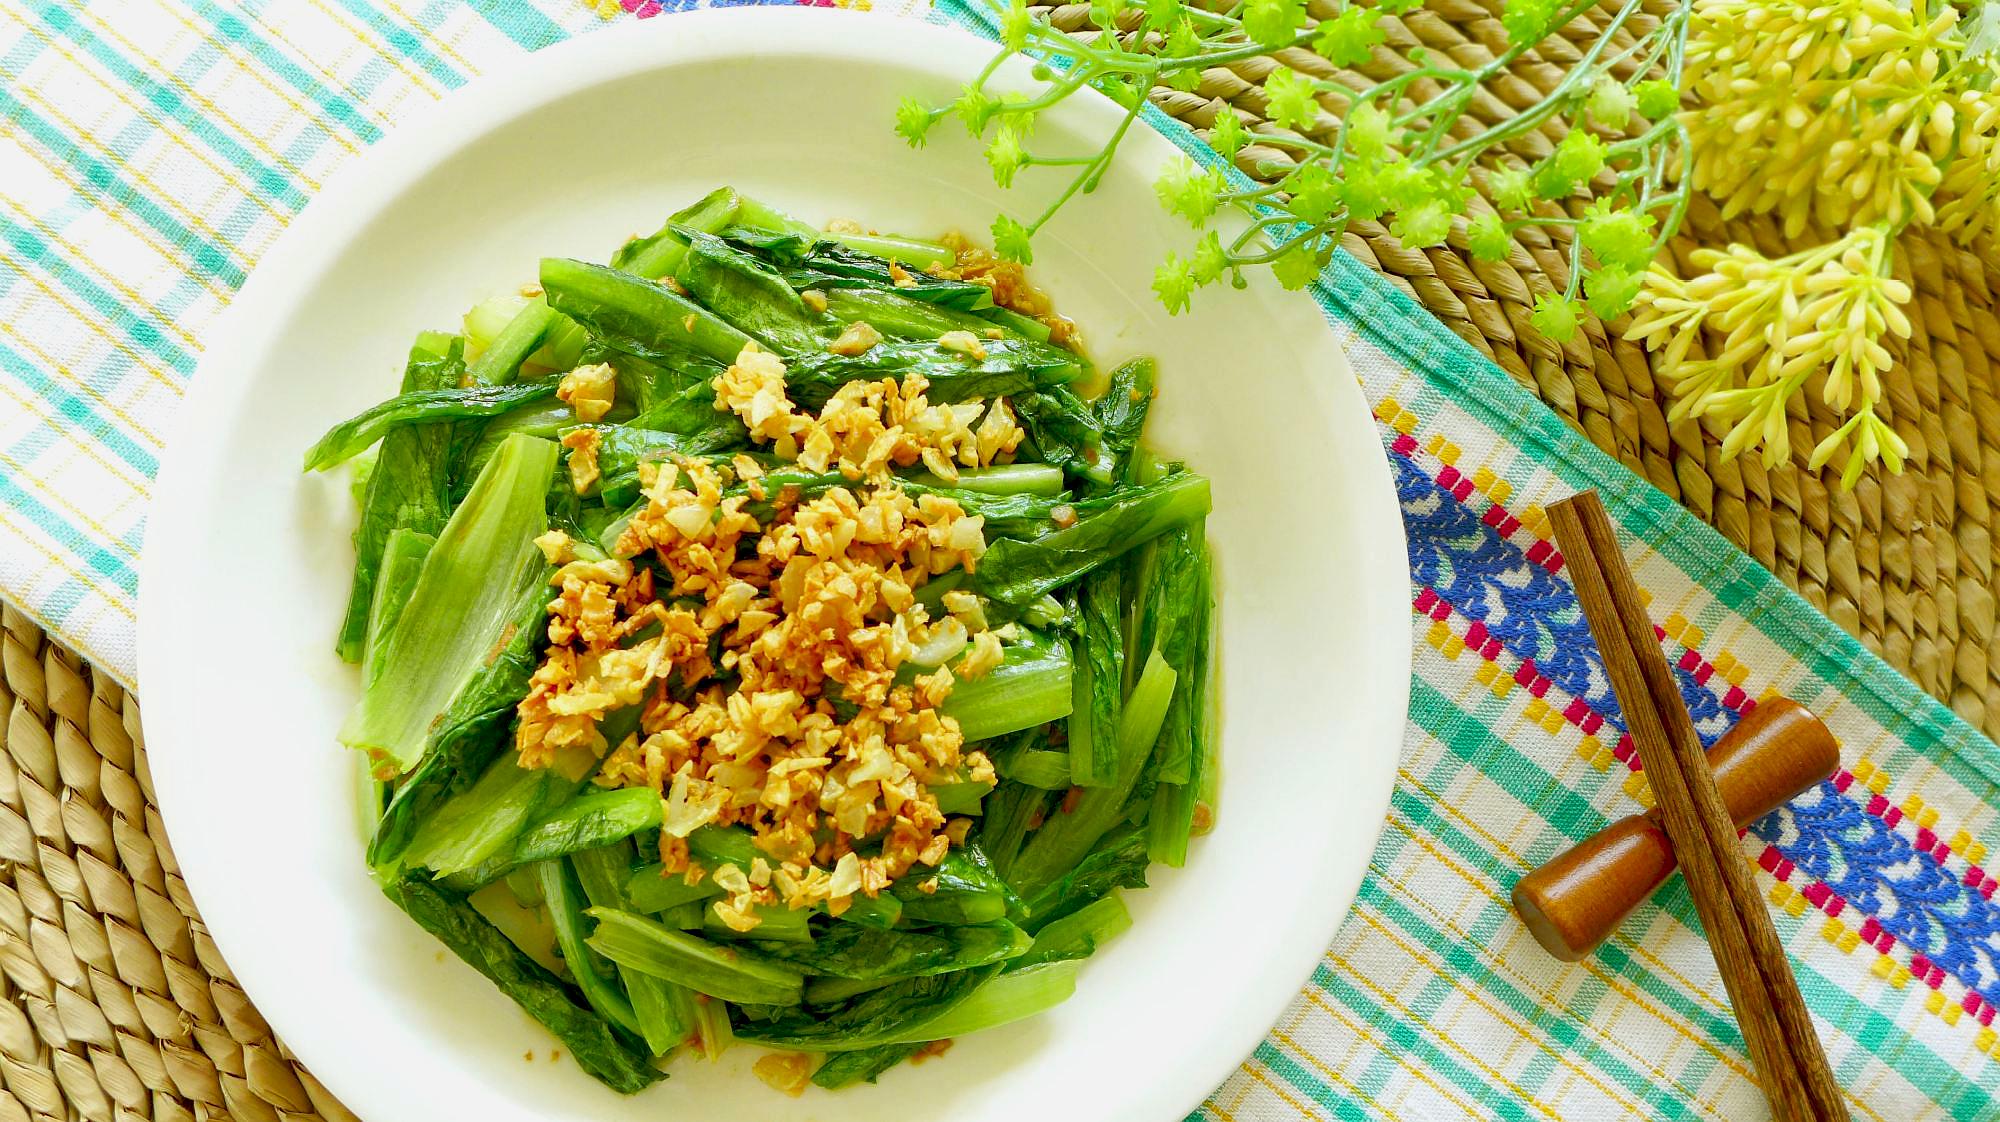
145,330
98,177
405,41
79,413
334,105
274,182
100,560
520,22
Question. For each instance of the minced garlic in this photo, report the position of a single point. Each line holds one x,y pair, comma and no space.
818,601
790,1072
582,445
867,428
590,391
857,339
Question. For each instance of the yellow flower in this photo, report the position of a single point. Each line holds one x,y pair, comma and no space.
1821,311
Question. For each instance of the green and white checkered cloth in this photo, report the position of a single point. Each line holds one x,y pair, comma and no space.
153,149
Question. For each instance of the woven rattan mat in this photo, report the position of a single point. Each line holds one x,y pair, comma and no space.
118,1006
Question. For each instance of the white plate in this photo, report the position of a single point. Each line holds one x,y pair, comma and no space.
566,153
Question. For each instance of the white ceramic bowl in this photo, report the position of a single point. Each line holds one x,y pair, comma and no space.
247,565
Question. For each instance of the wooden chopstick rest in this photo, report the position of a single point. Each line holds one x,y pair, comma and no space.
1576,900
1778,1030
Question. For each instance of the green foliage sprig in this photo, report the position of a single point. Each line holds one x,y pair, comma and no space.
1401,151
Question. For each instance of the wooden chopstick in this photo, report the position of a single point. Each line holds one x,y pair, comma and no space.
1783,1045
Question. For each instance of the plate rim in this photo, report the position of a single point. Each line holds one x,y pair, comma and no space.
363,185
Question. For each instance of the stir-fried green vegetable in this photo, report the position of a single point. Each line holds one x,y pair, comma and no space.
1071,652
409,484
465,598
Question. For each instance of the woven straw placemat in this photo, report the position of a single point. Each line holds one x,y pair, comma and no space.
118,1006
1905,563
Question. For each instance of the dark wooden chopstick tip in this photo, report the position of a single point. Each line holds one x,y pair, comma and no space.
1783,1045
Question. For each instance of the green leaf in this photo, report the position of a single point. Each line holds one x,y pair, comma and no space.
1426,224
1014,995
849,950
863,1065
1361,189
1097,681
1528,22
1228,135
1292,101
1610,290
1575,160
461,612
1297,267
976,108
1398,7
1019,572
1209,259
1404,184
1030,687
1274,23
1190,192
1620,239
1161,15
587,1036
1117,860
636,315
1011,240
1014,26
1488,239
1656,98
1005,155
913,121
1555,316
1010,366
1610,102
1078,934
351,436
408,485
1350,38
1512,187
1173,283
1369,130
1316,195
880,1016
748,295
704,967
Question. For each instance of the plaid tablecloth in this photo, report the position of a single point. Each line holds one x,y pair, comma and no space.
151,151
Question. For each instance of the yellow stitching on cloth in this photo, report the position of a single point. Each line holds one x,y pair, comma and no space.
169,253
98,327
35,405
112,596
255,137
108,276
250,66
79,385
1499,964
363,34
171,131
